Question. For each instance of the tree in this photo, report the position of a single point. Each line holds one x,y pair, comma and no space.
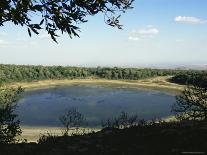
63,15
71,119
9,125
192,102
123,121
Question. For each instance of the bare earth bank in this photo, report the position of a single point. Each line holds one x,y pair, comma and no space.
157,83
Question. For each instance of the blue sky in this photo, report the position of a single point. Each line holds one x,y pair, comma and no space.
156,32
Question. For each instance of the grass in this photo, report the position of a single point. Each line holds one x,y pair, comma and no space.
156,83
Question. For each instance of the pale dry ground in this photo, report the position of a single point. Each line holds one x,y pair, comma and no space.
32,134
157,83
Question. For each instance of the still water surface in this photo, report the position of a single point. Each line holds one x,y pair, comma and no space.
44,107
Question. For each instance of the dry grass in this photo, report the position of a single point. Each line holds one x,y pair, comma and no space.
157,83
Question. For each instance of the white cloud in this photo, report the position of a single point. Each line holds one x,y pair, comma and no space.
45,35
189,20
142,33
133,38
3,43
148,31
3,34
22,43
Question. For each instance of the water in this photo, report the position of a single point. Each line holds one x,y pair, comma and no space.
96,103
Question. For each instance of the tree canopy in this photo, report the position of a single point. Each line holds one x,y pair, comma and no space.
24,73
192,102
60,15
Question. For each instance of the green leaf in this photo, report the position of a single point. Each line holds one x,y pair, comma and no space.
29,32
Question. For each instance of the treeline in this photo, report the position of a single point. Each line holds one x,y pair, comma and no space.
132,73
17,73
189,77
23,73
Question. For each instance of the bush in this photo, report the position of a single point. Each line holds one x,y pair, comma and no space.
192,102
71,119
122,121
9,125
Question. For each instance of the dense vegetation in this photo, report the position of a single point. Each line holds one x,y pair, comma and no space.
192,101
9,124
191,77
23,73
152,139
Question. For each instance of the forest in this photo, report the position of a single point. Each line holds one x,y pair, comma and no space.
26,73
191,77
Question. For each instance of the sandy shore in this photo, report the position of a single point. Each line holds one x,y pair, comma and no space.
157,83
32,134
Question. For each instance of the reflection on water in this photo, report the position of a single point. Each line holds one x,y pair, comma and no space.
43,107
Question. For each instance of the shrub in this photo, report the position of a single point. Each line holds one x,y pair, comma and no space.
71,119
122,121
9,124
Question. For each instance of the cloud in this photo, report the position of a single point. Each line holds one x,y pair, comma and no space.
3,43
3,34
22,43
45,35
148,32
189,20
133,38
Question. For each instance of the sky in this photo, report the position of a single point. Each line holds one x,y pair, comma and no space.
155,33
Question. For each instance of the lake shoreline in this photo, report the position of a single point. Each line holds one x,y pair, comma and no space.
156,83
32,133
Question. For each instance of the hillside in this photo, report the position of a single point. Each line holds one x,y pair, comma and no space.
155,139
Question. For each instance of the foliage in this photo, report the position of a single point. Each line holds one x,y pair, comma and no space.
9,125
124,120
192,102
166,138
191,77
60,15
48,138
23,73
71,119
